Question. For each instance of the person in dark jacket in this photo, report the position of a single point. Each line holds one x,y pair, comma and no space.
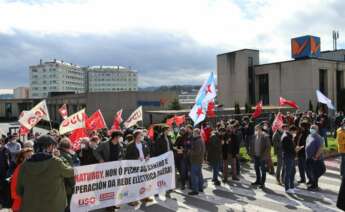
163,144
182,160
5,163
44,174
87,151
138,150
70,159
301,158
215,153
197,153
277,146
111,150
233,150
289,154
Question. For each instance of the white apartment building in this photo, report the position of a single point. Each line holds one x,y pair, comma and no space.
21,93
55,76
111,79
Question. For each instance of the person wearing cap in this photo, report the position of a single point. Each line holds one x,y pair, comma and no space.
41,179
260,152
111,150
341,146
23,155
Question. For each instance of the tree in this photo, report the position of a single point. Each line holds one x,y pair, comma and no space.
237,108
311,107
175,105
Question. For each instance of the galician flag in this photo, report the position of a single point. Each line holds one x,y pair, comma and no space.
206,94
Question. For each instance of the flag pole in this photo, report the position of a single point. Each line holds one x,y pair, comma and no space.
50,124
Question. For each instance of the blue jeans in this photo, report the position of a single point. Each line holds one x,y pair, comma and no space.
260,170
302,167
289,163
197,178
323,133
215,168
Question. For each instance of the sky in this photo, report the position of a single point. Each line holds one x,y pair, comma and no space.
168,42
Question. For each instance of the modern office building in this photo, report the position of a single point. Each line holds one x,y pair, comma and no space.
55,76
21,93
242,79
111,79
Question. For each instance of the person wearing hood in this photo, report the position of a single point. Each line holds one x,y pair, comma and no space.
41,179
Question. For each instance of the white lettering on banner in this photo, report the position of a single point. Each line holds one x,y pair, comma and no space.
120,182
136,116
29,119
73,122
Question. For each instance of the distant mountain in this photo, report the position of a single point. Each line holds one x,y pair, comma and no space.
6,96
176,88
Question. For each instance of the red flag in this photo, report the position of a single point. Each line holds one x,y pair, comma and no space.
117,121
151,133
95,121
63,111
210,110
278,122
170,121
23,131
292,104
179,120
258,110
75,137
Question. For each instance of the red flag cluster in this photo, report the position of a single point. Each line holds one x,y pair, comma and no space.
290,103
178,120
278,122
258,110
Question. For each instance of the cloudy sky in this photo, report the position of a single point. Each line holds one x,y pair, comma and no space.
167,41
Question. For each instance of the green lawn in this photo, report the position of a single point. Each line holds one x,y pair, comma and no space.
332,146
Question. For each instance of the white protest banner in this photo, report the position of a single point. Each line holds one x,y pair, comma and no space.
75,121
136,116
30,118
120,182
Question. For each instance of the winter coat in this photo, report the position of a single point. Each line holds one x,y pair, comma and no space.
41,183
132,153
214,150
197,151
103,151
288,145
16,199
161,146
265,146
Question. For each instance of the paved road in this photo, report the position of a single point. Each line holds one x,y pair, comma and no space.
241,196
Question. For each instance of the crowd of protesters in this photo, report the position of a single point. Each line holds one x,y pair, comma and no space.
37,175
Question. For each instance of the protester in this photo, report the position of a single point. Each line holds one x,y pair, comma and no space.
233,146
14,147
111,150
181,159
163,143
314,160
197,153
214,155
5,163
86,153
70,159
278,151
260,152
301,158
341,147
23,155
44,174
289,154
138,150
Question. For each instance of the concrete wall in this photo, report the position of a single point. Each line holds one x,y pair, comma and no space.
232,76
